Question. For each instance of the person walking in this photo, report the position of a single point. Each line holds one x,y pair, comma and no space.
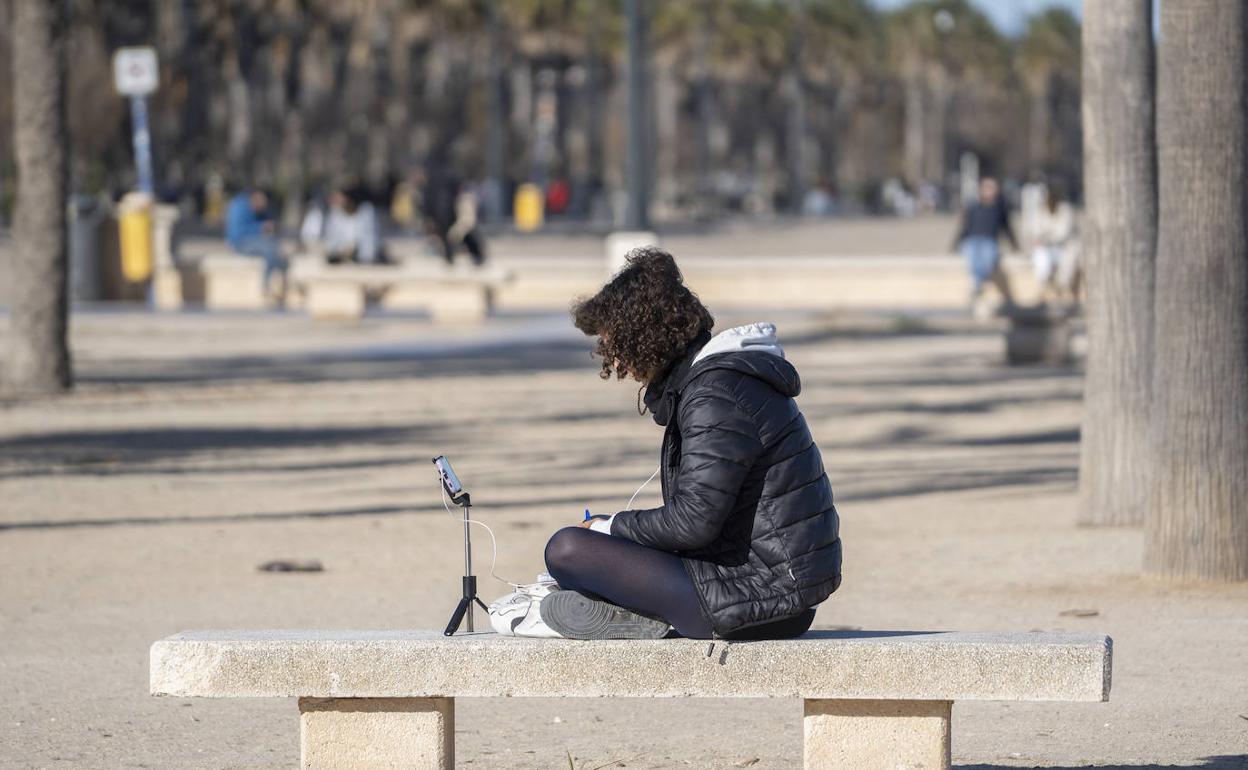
978,239
451,214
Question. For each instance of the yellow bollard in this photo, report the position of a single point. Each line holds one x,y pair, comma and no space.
529,208
134,223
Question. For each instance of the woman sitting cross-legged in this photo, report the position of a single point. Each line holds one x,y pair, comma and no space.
746,542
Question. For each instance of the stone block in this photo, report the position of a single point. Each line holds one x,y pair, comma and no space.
233,282
876,735
377,734
333,300
461,303
854,665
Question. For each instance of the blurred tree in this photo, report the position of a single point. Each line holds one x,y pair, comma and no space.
934,46
844,64
1197,525
1048,63
795,80
38,349
746,67
299,94
6,113
1119,243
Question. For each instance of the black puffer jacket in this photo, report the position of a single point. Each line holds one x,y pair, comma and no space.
746,501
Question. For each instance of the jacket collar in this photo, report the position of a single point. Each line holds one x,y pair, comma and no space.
662,394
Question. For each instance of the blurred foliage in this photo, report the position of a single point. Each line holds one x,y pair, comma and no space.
297,94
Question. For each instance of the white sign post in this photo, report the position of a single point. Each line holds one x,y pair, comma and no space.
136,74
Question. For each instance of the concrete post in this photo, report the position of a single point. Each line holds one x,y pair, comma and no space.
377,733
876,735
166,275
619,244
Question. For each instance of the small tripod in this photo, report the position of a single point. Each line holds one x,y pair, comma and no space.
461,498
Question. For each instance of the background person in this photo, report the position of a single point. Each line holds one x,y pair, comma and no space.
978,239
345,229
1054,257
466,228
251,231
352,230
450,212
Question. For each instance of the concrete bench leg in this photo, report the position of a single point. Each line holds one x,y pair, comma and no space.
877,735
461,304
235,288
377,733
334,300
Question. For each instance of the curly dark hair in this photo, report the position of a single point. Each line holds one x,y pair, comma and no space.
644,317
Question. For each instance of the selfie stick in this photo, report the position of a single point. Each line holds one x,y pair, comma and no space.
460,497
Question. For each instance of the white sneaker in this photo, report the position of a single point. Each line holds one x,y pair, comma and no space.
517,614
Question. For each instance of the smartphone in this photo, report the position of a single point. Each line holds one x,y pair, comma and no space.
449,479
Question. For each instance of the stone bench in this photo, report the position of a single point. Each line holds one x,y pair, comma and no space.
374,699
459,294
232,281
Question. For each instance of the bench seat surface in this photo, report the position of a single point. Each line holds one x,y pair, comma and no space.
303,270
820,665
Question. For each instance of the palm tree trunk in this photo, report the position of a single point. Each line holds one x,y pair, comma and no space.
1042,121
1119,240
38,352
1197,523
638,216
797,108
915,128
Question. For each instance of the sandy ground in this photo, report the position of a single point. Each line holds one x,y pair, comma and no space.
198,447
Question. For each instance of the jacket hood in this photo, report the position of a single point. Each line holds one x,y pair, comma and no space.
752,350
759,337
768,367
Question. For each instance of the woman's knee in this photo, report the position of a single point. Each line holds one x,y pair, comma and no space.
562,549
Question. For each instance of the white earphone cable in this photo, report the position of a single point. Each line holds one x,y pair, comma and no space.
629,507
494,541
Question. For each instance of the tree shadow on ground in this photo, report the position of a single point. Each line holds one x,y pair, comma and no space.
964,481
982,405
1227,762
105,449
502,504
105,465
1061,436
231,518
370,364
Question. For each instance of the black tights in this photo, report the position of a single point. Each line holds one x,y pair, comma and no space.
645,580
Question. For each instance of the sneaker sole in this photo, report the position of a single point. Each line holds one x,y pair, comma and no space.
576,616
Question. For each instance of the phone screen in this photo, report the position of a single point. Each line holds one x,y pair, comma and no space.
449,479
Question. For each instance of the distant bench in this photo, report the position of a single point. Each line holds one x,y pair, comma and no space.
450,294
385,699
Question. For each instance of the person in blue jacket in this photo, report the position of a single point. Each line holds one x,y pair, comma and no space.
251,231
